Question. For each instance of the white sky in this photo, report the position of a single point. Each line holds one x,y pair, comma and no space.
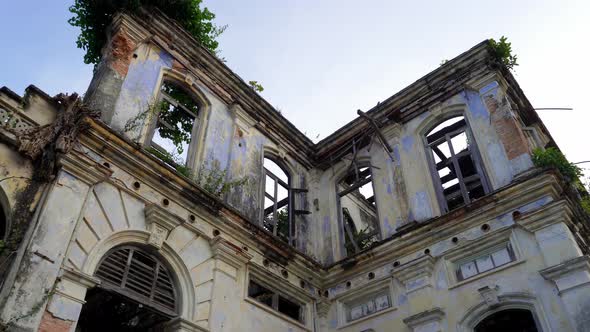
320,61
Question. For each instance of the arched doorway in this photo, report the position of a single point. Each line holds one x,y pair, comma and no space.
509,320
137,293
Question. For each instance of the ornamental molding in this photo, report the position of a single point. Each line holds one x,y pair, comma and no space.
83,168
229,252
434,315
80,278
162,217
419,267
322,308
180,324
552,213
565,269
416,274
160,222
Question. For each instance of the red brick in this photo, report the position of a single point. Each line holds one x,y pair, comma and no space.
50,323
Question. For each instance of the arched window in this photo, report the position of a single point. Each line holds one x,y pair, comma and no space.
139,275
358,211
509,320
176,125
455,163
277,214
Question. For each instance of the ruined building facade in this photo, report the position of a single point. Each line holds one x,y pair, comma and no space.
190,204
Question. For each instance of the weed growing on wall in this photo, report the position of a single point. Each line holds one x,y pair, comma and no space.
552,157
215,180
502,51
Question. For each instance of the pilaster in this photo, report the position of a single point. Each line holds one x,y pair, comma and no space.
572,279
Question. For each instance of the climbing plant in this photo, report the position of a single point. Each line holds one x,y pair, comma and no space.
93,17
502,51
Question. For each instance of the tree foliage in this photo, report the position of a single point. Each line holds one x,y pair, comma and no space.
94,16
503,52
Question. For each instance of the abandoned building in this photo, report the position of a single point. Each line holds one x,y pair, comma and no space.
175,198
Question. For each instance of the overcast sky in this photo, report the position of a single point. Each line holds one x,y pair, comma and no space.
320,61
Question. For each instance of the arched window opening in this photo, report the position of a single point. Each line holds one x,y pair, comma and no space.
455,167
176,125
137,293
358,211
510,320
277,215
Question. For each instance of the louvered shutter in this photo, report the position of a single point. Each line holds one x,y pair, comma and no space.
139,275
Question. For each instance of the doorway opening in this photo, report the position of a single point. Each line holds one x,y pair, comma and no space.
109,311
510,320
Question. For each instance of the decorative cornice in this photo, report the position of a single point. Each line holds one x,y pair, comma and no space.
550,214
228,252
420,267
558,271
82,167
425,317
180,324
162,217
78,277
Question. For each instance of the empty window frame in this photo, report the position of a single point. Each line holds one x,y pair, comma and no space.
456,166
358,211
277,301
367,305
176,125
277,214
484,262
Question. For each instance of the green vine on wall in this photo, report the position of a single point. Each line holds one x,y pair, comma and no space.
93,17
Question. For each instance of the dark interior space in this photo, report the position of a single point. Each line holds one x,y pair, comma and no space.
109,311
512,320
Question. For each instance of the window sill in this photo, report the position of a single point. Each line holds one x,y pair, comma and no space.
362,319
487,273
277,314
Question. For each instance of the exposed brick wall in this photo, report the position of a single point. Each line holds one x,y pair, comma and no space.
50,323
509,131
121,52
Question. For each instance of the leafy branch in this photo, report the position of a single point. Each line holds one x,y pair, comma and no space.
502,52
552,157
93,17
256,86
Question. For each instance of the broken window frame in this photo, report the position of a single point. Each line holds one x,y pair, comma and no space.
357,170
192,145
277,205
109,266
275,297
445,135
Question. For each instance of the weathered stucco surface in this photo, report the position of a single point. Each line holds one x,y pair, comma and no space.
110,191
